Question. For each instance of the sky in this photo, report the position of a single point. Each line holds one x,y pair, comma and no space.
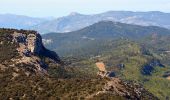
58,8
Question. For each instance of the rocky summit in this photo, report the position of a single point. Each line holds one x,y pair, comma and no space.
21,48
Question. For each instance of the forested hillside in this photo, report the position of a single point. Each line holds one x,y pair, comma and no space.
133,52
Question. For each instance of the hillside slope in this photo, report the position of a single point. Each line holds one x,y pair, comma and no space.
25,66
100,34
131,52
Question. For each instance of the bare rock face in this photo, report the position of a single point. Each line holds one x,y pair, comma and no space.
127,89
108,74
28,43
31,44
34,43
30,49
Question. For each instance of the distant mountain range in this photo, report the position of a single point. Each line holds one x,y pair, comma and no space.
19,21
76,21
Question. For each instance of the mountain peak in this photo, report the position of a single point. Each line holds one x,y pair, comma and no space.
74,14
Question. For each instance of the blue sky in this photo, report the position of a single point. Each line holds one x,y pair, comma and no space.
57,8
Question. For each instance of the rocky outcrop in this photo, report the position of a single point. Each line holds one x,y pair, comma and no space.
129,90
117,87
31,44
30,49
106,74
102,70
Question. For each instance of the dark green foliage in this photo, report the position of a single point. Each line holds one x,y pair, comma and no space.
132,56
149,67
37,87
7,48
95,38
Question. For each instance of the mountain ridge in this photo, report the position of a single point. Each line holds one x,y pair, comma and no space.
79,21
20,21
76,21
101,32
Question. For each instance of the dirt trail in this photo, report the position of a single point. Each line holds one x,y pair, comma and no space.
168,78
101,66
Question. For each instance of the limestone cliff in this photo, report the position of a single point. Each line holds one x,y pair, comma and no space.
29,50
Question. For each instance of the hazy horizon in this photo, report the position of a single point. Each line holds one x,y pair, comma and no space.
59,8
75,12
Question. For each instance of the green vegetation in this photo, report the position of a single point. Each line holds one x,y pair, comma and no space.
119,44
77,78
35,87
98,37
19,81
133,57
7,49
